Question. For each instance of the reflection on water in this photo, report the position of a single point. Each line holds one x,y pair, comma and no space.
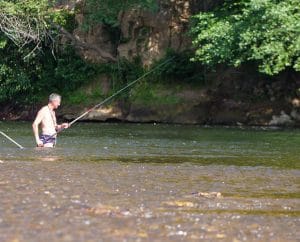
112,182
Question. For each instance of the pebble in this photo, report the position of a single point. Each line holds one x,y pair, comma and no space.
148,215
76,201
126,213
87,222
183,233
220,236
1,161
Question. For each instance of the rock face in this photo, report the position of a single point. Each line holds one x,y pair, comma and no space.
91,42
195,106
144,34
68,4
149,34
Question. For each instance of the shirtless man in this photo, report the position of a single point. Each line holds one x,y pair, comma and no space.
46,117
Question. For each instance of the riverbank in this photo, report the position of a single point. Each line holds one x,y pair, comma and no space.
226,96
178,104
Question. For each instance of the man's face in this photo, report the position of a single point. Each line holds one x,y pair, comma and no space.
56,103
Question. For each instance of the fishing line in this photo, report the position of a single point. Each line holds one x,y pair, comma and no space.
112,96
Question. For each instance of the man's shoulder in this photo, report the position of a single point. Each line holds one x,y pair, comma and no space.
43,109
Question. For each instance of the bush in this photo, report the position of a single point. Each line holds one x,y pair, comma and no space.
24,81
179,69
264,31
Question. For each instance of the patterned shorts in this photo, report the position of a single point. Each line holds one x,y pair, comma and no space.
47,139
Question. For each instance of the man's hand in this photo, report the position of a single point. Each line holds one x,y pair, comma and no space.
62,126
65,125
39,143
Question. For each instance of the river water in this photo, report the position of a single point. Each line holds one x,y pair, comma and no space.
146,182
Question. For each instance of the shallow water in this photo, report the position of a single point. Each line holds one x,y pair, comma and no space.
132,182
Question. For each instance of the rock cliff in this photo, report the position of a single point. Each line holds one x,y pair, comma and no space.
143,33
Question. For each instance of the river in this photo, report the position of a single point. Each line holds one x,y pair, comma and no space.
151,182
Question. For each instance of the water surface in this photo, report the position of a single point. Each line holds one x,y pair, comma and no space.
133,182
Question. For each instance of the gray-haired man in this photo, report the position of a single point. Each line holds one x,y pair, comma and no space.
46,117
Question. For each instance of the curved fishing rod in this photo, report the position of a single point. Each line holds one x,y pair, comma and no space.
111,97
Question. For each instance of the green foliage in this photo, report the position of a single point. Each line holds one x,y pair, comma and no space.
33,23
40,12
122,72
179,68
24,81
65,18
149,93
107,11
15,73
264,31
27,80
70,71
76,97
25,8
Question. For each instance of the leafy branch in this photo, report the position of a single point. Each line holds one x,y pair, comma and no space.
266,32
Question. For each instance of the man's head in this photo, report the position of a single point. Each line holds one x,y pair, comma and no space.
54,100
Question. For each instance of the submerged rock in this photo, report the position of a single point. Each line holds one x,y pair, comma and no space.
107,210
180,204
208,194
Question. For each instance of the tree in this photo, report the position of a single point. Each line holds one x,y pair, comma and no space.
264,31
28,28
38,22
28,22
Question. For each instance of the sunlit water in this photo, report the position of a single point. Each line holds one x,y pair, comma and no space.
131,182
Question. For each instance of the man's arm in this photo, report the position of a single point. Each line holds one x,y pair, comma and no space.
35,127
59,127
62,126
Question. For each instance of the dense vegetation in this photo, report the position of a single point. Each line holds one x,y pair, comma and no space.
30,60
264,31
34,61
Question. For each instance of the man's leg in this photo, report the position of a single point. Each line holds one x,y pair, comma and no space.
49,145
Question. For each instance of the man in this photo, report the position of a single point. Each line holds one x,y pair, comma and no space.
46,117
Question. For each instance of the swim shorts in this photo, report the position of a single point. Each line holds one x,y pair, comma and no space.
48,139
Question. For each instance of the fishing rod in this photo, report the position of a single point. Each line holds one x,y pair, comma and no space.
112,96
10,139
